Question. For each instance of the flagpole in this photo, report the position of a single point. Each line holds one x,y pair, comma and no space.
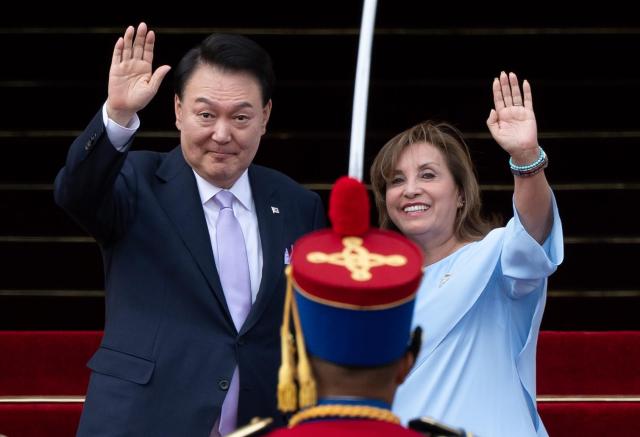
361,91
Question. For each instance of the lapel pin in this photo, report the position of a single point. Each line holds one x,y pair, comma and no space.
275,210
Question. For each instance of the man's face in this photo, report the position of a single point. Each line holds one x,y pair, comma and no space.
221,120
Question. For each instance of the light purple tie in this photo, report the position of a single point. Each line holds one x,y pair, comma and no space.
233,269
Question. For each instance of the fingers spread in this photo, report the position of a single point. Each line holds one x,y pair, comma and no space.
528,97
498,101
158,75
138,43
117,51
515,90
493,118
128,42
148,47
506,89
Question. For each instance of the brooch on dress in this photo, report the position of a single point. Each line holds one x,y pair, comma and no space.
444,279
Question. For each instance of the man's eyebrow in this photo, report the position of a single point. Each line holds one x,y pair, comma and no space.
239,105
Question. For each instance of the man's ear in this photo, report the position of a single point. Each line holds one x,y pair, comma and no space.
404,367
416,342
178,110
266,113
409,358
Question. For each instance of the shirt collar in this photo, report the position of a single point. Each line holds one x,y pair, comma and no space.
354,400
241,189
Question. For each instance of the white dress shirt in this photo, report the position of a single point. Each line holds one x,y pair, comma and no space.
245,211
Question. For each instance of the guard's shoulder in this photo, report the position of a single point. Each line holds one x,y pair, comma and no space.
257,427
432,428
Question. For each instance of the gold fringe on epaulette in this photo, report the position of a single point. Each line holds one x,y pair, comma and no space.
287,396
288,399
307,385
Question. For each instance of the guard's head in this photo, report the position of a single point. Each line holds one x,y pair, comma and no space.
351,295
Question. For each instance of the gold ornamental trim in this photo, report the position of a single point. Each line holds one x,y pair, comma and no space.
339,410
357,259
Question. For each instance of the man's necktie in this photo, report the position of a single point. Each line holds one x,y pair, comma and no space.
233,269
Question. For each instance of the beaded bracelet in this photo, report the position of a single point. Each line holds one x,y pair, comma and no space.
530,169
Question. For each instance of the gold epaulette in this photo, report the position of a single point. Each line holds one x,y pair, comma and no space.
431,428
255,427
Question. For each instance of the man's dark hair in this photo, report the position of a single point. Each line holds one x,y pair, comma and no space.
233,53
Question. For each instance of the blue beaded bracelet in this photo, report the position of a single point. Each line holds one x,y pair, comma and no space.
530,169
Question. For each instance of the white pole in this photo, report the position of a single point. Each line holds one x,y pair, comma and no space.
361,91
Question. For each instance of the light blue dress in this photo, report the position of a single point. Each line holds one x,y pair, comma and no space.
480,309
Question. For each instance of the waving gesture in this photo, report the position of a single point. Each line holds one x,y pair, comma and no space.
513,123
132,81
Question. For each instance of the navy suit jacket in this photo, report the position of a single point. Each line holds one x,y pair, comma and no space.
170,345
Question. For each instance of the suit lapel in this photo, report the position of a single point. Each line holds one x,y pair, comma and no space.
270,224
178,195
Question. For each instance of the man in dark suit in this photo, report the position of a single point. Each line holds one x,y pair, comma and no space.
185,352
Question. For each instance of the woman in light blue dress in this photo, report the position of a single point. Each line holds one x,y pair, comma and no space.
484,289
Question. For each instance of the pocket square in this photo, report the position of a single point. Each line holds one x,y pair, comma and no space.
287,255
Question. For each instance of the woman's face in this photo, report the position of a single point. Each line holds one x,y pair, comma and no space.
422,198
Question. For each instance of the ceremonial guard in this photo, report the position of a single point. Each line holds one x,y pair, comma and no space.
346,334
